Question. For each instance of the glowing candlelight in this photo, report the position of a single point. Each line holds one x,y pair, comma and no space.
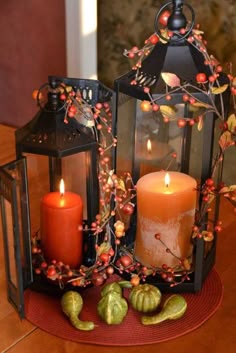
149,146
167,180
62,187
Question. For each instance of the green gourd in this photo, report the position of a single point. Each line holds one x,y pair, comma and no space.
112,307
145,298
72,303
174,308
111,287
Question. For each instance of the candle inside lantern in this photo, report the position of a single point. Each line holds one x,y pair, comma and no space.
165,206
61,227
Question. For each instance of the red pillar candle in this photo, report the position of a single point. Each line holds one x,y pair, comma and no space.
166,208
61,227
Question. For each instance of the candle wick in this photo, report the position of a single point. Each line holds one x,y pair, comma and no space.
62,194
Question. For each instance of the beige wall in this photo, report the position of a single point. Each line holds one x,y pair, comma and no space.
32,43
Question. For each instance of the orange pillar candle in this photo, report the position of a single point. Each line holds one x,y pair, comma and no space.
166,208
61,227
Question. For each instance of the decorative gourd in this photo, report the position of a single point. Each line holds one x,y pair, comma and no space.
174,308
145,298
112,308
72,303
111,287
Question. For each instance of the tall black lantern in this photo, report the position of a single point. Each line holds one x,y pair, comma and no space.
163,119
50,148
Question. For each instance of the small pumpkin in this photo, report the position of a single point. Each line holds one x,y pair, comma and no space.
145,298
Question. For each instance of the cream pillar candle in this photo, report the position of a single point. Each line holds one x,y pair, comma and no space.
168,209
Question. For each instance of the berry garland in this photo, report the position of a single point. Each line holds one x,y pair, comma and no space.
117,193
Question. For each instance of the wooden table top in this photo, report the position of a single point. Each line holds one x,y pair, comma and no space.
216,335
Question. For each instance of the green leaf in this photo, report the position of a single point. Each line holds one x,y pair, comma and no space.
167,110
103,248
219,90
201,105
121,184
231,122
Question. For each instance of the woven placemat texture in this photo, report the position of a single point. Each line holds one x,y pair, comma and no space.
45,312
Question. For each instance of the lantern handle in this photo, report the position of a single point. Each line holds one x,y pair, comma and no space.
157,30
53,85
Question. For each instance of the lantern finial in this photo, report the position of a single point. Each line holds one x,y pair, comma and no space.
177,19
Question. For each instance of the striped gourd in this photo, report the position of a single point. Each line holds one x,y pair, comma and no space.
145,298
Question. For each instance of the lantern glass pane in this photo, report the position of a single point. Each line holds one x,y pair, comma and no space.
125,134
195,160
157,140
38,186
74,175
9,228
16,224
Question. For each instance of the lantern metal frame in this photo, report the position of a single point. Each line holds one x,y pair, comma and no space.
179,57
48,135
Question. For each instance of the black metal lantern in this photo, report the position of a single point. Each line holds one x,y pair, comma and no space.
50,148
160,105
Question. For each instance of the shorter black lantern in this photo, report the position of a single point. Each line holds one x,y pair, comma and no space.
164,120
51,147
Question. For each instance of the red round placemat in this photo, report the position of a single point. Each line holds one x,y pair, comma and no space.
45,312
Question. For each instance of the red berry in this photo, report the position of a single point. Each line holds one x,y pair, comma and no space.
154,39
98,105
34,250
44,264
211,78
218,228
128,208
201,77
104,257
110,270
191,122
182,31
131,55
37,271
166,119
168,97
164,17
181,123
209,182
51,271
146,89
126,260
192,100
185,97
63,96
97,279
155,107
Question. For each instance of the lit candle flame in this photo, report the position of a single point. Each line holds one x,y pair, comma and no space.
149,146
62,187
167,180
